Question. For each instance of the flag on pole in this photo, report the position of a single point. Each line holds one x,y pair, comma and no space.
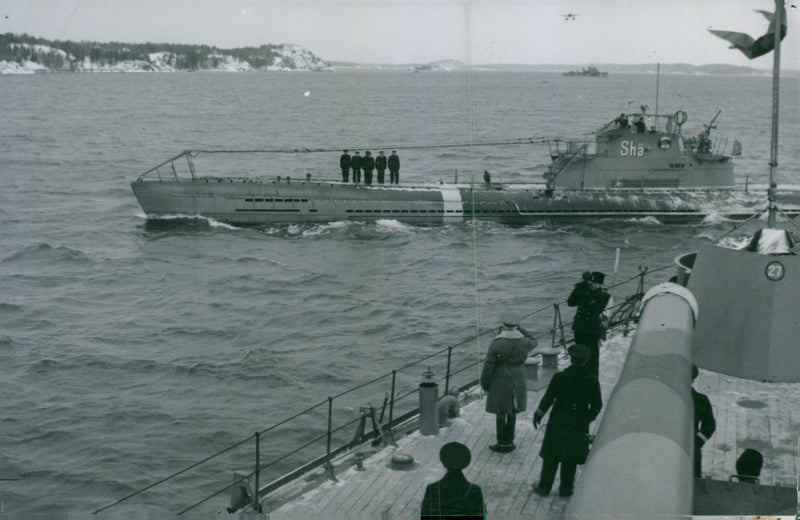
755,48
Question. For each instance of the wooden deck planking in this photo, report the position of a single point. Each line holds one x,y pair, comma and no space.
506,479
409,496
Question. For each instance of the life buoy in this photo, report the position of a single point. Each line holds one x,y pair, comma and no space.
664,143
680,117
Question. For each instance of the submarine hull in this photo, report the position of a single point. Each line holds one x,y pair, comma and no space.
256,202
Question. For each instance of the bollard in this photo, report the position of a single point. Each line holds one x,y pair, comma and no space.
428,405
550,357
532,368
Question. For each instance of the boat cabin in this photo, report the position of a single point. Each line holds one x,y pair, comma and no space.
641,150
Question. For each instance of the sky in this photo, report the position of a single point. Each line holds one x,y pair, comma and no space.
406,31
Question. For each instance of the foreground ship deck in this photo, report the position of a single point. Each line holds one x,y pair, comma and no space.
748,414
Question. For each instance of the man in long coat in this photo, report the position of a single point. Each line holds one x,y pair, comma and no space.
453,495
591,300
355,164
368,164
576,394
394,168
503,377
344,164
380,165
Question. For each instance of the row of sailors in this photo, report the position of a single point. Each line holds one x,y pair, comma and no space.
368,163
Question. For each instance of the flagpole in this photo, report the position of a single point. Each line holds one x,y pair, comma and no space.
658,76
773,155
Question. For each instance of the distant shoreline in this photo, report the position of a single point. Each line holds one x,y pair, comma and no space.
22,71
24,54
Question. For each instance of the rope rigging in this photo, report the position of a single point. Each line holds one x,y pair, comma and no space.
506,142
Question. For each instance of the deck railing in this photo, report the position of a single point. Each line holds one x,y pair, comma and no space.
456,367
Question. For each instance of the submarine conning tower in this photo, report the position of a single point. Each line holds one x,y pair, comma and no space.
641,150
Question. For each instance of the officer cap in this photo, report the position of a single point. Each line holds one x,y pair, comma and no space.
510,319
455,455
579,352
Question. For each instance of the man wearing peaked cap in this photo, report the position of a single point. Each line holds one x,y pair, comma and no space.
591,299
344,164
574,394
503,377
394,168
579,353
453,495
455,455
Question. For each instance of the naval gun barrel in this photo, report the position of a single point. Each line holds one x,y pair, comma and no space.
710,125
641,463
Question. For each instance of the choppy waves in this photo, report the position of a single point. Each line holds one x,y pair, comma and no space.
133,347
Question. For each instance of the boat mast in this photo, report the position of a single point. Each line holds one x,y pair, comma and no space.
773,155
658,77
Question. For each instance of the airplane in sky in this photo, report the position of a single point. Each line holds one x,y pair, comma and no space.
569,16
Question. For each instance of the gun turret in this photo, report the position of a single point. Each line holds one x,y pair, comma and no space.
703,139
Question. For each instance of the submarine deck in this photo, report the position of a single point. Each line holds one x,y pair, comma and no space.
749,415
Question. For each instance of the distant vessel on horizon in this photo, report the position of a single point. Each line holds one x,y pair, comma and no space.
590,71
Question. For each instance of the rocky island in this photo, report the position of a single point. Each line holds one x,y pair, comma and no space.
23,54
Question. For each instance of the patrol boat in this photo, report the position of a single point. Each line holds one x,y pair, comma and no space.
590,71
638,165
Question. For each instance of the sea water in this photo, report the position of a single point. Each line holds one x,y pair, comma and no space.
132,348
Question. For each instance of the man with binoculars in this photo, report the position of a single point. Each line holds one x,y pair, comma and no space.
591,299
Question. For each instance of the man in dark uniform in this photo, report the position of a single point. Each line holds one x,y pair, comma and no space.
503,377
344,164
355,164
704,423
380,165
454,495
576,394
394,168
368,164
591,300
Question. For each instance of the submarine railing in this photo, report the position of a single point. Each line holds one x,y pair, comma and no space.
195,153
454,368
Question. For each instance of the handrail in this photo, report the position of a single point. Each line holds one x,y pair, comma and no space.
168,161
628,305
551,178
195,153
